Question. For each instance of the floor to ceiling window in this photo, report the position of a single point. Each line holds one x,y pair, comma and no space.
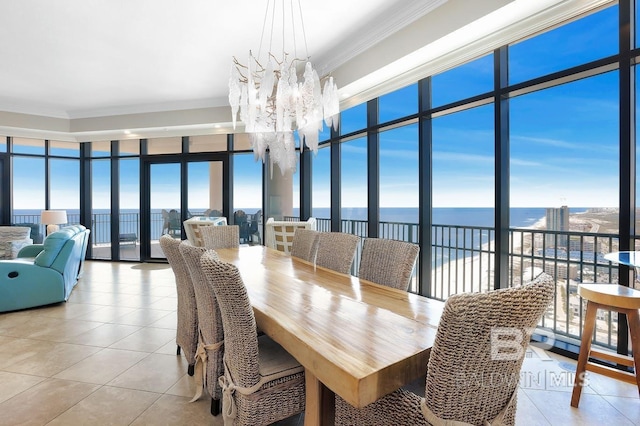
101,199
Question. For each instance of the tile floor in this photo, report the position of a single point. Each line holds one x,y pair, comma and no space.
107,356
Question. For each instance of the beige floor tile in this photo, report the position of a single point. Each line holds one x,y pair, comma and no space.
65,310
166,303
108,406
60,330
142,317
527,413
51,360
106,313
630,407
186,387
593,410
148,339
102,367
604,385
20,326
17,350
175,410
11,384
93,297
168,321
44,402
104,335
169,349
161,291
155,373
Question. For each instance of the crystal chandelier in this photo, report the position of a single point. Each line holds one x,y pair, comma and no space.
274,101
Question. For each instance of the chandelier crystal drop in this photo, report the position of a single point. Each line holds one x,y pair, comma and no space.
273,101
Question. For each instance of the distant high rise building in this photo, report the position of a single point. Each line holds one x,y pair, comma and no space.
557,220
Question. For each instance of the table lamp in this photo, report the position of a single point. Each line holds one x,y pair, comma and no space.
53,218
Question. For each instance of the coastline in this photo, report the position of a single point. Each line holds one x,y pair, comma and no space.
474,274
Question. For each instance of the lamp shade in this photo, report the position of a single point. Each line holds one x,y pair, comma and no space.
53,217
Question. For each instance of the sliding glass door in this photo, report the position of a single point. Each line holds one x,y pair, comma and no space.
177,190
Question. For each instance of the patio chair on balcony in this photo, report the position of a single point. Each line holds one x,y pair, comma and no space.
279,234
388,262
474,366
175,224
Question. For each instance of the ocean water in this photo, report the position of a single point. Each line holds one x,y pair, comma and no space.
519,218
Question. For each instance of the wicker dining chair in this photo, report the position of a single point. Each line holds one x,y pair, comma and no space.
474,366
336,251
210,349
262,383
305,244
187,328
218,237
388,262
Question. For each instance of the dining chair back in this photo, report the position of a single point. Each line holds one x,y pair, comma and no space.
474,365
219,237
262,383
336,251
305,244
388,262
208,361
187,327
279,234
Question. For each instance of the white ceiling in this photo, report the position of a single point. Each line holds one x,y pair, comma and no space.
81,69
85,58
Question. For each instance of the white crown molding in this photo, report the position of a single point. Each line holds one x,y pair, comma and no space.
150,108
561,11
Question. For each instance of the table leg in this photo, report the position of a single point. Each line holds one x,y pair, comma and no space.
319,409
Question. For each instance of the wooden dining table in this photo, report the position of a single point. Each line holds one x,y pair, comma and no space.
356,339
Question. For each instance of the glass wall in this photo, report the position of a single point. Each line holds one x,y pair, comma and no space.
28,191
321,187
129,214
353,186
247,197
101,208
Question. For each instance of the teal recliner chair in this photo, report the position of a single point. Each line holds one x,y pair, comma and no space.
44,273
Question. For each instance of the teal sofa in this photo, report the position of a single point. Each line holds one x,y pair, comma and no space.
44,273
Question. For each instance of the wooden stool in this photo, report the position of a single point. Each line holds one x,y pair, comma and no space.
612,297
